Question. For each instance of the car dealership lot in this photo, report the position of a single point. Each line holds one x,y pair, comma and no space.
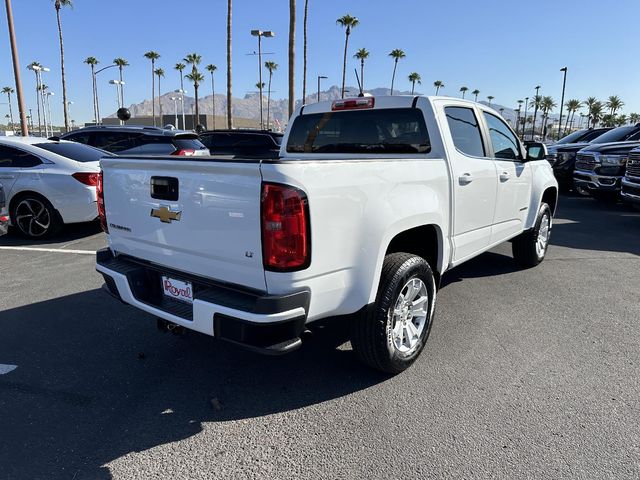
527,374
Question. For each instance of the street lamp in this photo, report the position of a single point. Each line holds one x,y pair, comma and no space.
524,123
320,77
37,69
535,112
181,92
175,108
95,74
69,103
260,34
564,84
119,85
48,96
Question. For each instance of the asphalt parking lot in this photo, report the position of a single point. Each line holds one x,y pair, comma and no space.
527,374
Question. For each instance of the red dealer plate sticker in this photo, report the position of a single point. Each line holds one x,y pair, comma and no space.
177,289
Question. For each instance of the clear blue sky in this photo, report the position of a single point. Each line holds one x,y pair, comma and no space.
502,47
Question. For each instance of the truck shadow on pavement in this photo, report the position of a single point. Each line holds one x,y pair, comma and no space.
95,382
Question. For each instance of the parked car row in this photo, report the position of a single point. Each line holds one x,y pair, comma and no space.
594,161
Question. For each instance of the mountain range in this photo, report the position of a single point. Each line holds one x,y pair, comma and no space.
248,107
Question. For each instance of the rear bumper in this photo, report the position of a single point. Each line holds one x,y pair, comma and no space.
591,181
265,323
631,190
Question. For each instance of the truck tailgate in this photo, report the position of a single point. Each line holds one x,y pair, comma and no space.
210,227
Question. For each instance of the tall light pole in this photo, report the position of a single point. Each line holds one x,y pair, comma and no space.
16,70
320,77
48,96
564,84
175,108
524,123
69,103
95,80
36,69
535,112
182,92
119,85
260,34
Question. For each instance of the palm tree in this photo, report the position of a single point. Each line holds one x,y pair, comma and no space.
196,77
211,68
304,53
621,120
271,67
362,54
153,56
536,103
58,4
634,118
414,78
92,62
9,91
180,68
438,84
548,104
572,107
614,103
396,54
121,63
194,60
292,58
596,113
476,92
159,73
589,103
229,98
348,22
490,98
464,90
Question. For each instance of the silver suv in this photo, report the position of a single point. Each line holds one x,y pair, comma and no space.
139,140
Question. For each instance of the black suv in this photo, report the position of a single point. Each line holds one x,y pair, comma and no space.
243,143
562,154
139,140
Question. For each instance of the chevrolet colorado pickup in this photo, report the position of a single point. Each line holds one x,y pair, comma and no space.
372,200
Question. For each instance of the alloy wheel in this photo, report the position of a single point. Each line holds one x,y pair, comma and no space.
32,217
408,317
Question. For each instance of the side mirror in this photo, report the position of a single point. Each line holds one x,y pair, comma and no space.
536,151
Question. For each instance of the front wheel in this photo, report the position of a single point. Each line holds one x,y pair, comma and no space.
392,333
530,247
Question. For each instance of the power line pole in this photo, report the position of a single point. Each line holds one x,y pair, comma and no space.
16,71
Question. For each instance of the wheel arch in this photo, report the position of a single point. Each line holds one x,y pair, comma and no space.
26,193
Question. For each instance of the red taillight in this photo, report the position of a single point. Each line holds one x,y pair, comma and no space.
185,152
285,228
102,213
353,103
87,178
4,218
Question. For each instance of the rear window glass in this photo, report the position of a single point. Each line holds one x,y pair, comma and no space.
465,130
392,130
74,151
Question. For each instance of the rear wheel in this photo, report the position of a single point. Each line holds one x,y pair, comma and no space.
35,217
530,247
391,334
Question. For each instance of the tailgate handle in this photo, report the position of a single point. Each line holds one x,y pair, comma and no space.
164,188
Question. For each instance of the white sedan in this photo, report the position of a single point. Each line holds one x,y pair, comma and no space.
48,183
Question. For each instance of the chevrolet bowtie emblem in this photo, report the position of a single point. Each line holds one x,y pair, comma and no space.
165,214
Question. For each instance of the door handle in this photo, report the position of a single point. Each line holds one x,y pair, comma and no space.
465,179
504,176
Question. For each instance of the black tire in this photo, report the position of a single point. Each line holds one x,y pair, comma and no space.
372,335
54,220
524,248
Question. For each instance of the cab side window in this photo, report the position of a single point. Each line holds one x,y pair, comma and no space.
14,158
505,144
465,131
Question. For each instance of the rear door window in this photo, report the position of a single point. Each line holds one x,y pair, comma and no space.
390,130
15,158
465,131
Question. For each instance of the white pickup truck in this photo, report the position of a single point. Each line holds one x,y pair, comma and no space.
371,201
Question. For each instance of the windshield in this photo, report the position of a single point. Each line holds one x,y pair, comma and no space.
392,130
619,134
74,151
572,137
